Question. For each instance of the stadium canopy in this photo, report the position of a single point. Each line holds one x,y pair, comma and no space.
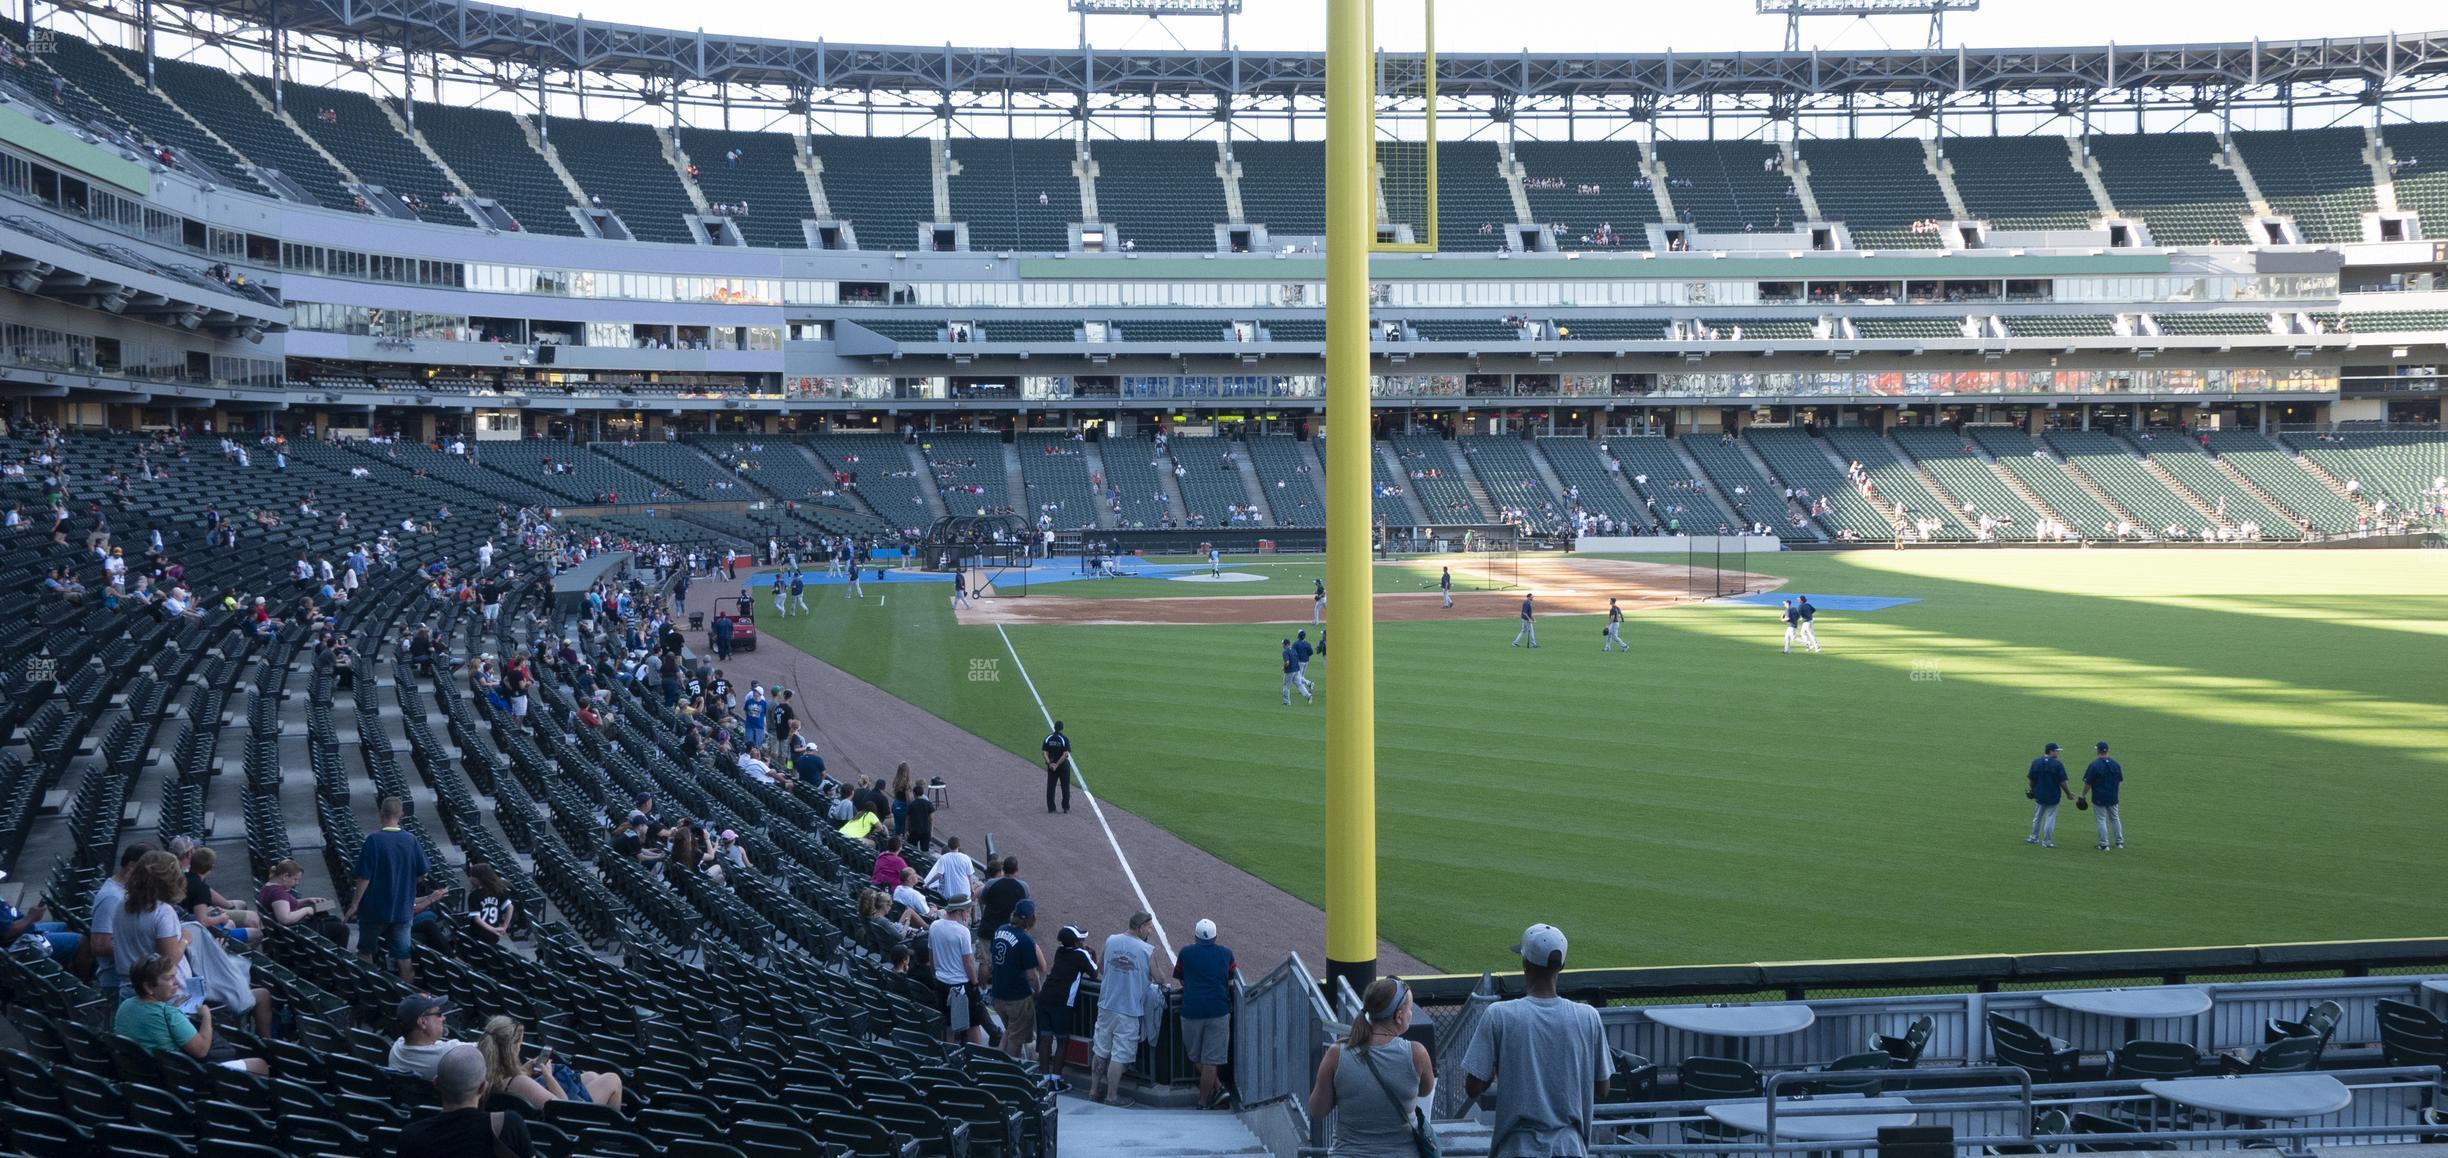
2366,68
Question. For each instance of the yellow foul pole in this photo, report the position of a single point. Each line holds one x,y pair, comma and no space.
1351,709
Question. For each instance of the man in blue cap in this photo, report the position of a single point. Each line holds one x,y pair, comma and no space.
2048,780
2104,783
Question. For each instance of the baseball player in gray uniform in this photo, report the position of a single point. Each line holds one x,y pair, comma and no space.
1529,620
1317,605
1445,584
1614,628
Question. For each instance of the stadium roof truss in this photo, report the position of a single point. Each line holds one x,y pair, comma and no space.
453,41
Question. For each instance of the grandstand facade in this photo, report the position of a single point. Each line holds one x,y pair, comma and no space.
198,234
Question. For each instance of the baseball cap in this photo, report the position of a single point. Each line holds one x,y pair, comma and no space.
2101,746
1071,935
1205,929
1542,945
2052,746
1024,909
729,834
964,902
417,1005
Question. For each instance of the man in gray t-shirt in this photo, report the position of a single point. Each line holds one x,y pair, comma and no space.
1550,1055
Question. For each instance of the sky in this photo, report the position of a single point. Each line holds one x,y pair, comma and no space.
1533,25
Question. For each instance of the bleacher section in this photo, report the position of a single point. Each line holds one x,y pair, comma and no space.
1760,329
624,166
89,68
1958,467
1163,195
1610,329
2168,180
773,188
2274,469
1471,192
1758,501
216,99
680,468
2213,325
2316,176
2019,183
1443,494
1031,331
1465,330
1056,471
1511,477
2421,175
488,142
1387,504
1577,463
1895,482
1291,490
361,135
1210,484
1131,468
777,465
2061,326
2390,321
1623,200
1798,461
31,74
879,471
969,472
1877,188
1678,500
1283,186
1889,329
588,478
1727,186
2111,467
997,193
2402,467
2184,460
2040,473
882,186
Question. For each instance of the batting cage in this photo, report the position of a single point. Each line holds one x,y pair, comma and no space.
994,549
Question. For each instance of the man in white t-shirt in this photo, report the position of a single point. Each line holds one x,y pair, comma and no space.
907,894
954,874
1546,1057
956,969
1127,971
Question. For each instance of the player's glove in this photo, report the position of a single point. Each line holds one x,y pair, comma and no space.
2082,804
2027,795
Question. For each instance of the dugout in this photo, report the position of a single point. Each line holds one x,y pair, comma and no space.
975,542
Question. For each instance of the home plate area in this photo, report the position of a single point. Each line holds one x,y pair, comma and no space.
1564,586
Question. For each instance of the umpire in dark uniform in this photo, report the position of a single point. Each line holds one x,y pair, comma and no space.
1058,766
2048,782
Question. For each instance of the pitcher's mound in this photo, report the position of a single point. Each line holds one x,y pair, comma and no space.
1226,577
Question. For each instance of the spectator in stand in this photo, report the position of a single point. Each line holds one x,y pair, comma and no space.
1206,970
423,1034
151,1018
953,874
911,904
1546,1057
388,868
1058,1000
280,901
108,900
1018,967
1374,1078
954,954
540,1080
919,814
204,905
460,1128
1002,891
490,909
889,864
1129,973
29,928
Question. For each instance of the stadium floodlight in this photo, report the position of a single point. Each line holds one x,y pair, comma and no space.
1794,10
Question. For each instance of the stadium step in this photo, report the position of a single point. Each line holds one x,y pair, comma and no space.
2248,486
1470,477
1257,489
1089,1128
1716,502
1954,502
2331,481
2174,486
1411,502
926,479
1015,483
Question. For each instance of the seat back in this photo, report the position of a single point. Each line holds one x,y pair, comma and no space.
2156,1059
2286,1056
2411,1035
2019,1045
1861,1076
2096,1124
1719,1079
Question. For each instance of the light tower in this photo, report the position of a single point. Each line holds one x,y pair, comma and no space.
1794,10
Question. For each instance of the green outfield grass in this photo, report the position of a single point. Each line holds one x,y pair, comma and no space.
2282,717
1290,575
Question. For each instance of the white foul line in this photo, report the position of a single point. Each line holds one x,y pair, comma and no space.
1162,942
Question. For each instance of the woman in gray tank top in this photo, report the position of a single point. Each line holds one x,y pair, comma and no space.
1373,1078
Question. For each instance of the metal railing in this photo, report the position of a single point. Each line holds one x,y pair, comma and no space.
1284,1028
2009,1114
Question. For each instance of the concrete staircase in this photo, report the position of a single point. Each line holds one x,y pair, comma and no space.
1548,476
1715,504
819,465
2376,154
1656,172
2100,494
1799,170
811,166
2327,479
552,158
678,158
2232,160
1470,479
1250,482
926,480
1091,1128
2208,510
1769,473
2249,487
1229,172
1944,170
1954,502
1015,482
1411,503
2089,168
417,137
1093,453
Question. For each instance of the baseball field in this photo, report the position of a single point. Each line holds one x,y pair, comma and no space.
2282,717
